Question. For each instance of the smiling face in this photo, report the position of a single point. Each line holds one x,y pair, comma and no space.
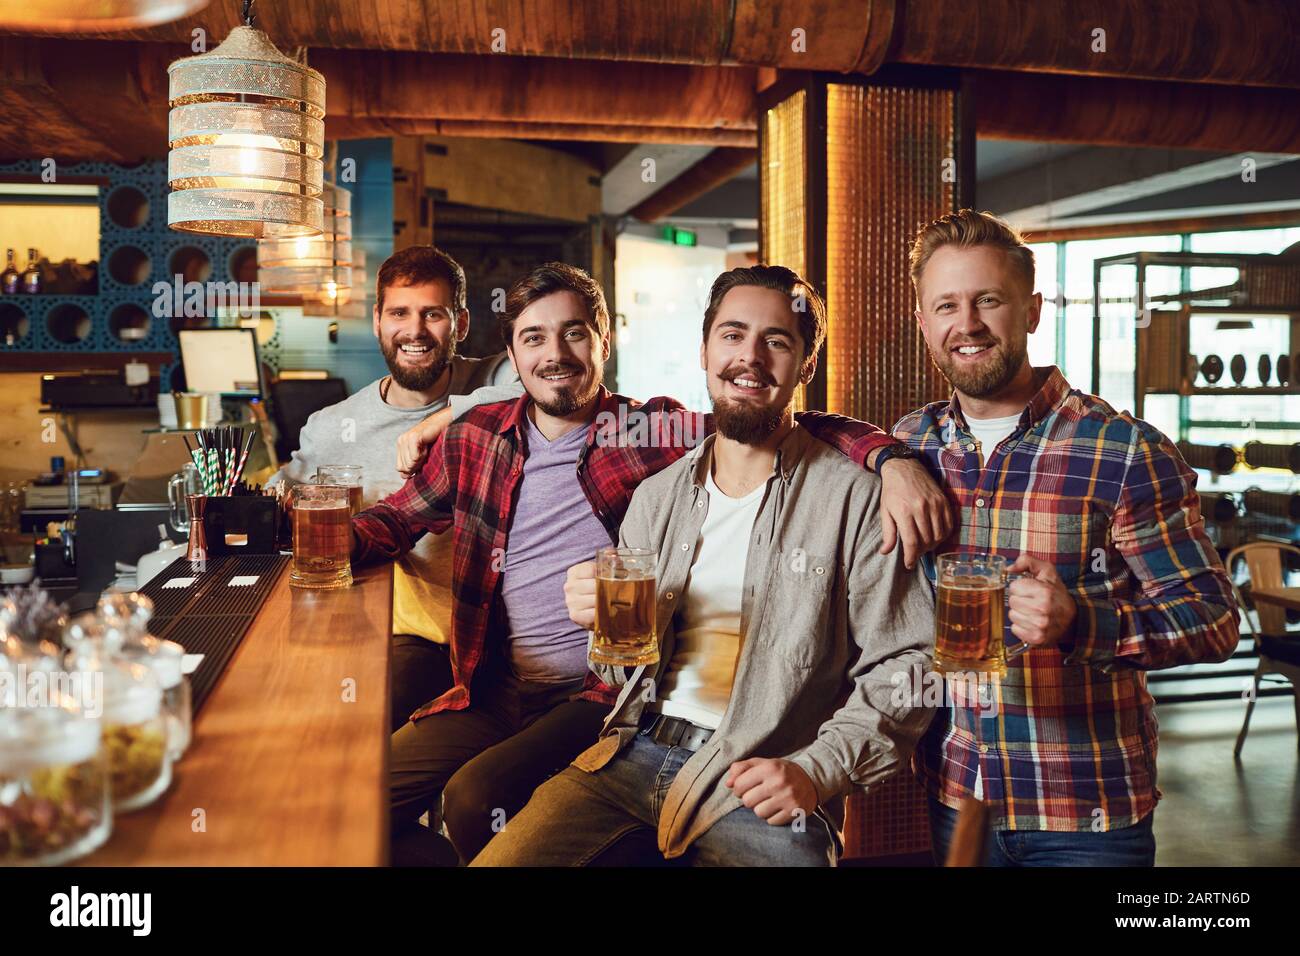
976,313
558,354
418,329
754,358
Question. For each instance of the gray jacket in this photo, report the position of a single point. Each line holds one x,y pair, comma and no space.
827,623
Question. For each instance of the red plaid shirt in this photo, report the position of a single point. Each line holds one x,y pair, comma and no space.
469,482
1067,740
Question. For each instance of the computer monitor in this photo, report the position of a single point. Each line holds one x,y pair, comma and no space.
221,360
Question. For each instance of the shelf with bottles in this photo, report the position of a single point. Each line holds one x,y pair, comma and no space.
37,276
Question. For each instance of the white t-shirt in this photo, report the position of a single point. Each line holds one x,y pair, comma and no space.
696,684
989,432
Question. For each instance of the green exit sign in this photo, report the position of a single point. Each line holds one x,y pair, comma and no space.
679,237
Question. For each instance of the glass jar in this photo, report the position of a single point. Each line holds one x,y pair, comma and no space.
164,658
54,785
135,728
135,735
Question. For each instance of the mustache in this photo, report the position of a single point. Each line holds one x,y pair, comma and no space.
552,369
964,342
757,374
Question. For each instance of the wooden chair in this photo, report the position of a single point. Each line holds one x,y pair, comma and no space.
1279,652
970,835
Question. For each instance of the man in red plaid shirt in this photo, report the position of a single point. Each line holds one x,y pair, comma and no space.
530,488
1101,513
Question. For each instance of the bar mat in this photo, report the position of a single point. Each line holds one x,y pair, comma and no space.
208,612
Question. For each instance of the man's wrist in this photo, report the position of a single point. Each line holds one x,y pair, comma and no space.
894,451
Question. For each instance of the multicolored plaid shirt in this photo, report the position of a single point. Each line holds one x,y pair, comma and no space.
1066,741
469,483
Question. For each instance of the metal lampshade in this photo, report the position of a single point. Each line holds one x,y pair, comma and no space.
318,268
247,132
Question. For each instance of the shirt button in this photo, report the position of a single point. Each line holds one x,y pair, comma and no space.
669,595
984,748
979,502
820,570
686,547
699,504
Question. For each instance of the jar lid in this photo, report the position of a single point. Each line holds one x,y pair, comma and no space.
36,737
131,692
162,657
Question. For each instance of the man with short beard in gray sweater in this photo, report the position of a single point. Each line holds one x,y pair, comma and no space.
419,318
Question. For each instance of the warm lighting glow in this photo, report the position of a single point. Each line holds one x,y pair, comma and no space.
317,268
91,16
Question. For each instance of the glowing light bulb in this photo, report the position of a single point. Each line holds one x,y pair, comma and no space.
301,247
254,159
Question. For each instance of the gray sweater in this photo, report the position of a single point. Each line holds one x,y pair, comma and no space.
363,430
832,631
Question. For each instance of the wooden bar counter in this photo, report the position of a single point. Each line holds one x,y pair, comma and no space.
289,761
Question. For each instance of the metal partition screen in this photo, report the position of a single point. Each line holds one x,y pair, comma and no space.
890,170
849,171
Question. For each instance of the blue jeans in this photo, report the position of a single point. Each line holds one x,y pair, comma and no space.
1130,846
577,816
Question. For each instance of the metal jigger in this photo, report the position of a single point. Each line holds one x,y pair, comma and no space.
197,552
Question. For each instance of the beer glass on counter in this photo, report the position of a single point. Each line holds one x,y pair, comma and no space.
968,626
347,475
625,632
322,537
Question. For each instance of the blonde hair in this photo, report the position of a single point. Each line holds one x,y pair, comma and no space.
966,228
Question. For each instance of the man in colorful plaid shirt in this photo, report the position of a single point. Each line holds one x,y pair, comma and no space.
1101,513
531,487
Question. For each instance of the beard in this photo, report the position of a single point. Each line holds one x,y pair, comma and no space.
988,377
745,422
567,399
422,377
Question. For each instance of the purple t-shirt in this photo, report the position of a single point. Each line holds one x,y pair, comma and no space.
553,529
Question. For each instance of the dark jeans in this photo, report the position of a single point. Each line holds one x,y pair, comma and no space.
484,761
421,672
1129,846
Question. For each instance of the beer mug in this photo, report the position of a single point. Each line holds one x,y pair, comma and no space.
322,537
625,632
968,628
180,486
347,475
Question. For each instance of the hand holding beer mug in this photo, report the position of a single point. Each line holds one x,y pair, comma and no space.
624,631
968,629
322,537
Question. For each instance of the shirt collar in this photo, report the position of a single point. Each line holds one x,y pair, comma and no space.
1052,391
788,455
517,419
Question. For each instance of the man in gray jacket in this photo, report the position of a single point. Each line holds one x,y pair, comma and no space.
777,687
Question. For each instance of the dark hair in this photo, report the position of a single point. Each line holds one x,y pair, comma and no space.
549,278
417,265
805,301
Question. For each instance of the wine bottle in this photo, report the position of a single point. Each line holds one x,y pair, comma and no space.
32,277
9,279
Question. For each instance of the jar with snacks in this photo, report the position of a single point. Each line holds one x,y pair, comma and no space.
54,784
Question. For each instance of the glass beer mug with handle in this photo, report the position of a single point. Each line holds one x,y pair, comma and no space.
625,632
347,475
968,623
182,484
322,537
